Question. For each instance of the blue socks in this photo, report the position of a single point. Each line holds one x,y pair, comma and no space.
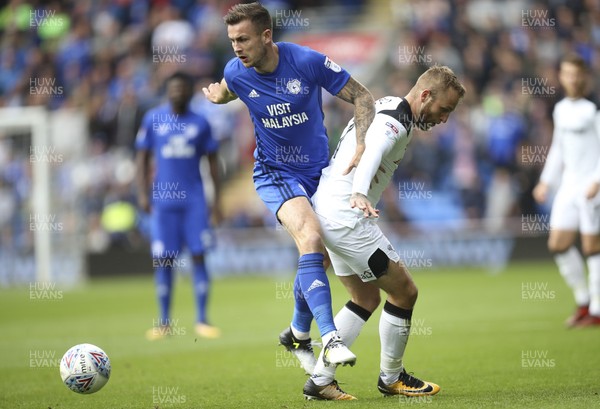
312,295
201,285
163,278
164,288
302,315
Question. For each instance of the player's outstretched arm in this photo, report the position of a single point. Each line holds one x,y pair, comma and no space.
219,93
364,112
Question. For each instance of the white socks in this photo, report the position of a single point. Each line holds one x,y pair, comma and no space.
349,322
393,331
299,334
327,337
571,267
593,263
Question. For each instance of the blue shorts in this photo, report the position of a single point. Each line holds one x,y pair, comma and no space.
171,227
276,186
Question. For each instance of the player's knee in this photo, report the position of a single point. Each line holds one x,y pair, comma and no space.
404,291
369,302
590,251
558,243
373,302
311,241
412,293
557,248
590,246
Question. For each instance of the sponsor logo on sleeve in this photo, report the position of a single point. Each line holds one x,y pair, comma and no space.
393,127
332,66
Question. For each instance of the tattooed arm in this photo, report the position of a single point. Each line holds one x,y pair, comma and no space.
364,112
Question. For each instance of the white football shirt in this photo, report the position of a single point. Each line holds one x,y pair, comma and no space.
575,149
385,144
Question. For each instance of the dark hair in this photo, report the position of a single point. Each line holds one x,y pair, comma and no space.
255,12
575,59
183,76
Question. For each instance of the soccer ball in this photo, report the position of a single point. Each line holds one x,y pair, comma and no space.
85,368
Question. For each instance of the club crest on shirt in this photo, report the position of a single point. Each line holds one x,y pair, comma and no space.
294,86
191,131
331,65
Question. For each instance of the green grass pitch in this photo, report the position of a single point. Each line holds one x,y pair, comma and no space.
489,341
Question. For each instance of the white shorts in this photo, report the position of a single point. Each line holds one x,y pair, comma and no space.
573,212
350,249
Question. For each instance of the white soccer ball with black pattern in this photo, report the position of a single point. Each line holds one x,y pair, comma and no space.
85,368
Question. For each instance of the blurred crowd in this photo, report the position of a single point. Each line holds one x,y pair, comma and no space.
110,59
484,163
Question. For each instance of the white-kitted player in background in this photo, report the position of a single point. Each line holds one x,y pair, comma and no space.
362,257
573,163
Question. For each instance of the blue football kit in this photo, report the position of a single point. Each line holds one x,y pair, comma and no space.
180,213
286,109
179,210
291,150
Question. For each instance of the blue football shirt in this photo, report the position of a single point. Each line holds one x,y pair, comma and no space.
177,142
286,106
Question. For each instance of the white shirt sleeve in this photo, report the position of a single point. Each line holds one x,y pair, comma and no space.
596,174
382,135
553,166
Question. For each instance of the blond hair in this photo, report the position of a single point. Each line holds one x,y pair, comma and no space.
439,78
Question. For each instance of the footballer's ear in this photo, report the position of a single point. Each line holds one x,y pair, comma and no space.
267,36
425,94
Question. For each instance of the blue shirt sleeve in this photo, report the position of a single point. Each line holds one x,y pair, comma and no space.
324,71
143,140
229,73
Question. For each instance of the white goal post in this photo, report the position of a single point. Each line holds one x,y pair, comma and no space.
51,137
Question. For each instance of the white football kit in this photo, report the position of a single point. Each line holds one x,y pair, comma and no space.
574,155
351,238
